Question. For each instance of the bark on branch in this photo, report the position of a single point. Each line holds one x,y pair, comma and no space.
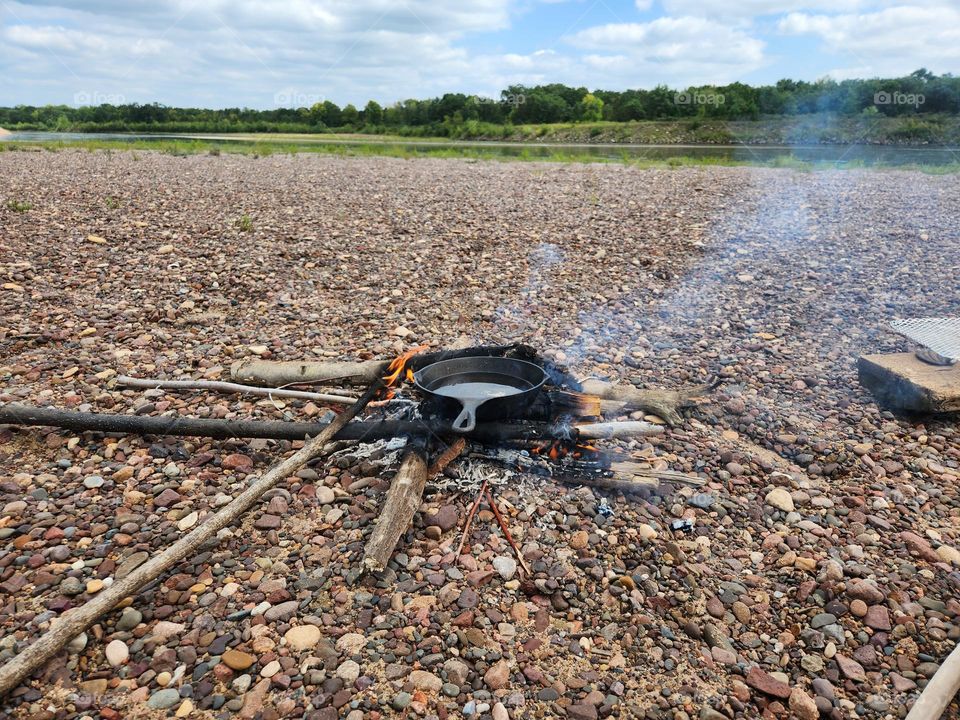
399,507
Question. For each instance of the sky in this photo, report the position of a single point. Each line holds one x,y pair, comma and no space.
252,53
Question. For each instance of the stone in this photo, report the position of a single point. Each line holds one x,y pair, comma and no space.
129,619
646,532
302,637
351,643
949,554
919,546
78,644
865,590
500,712
92,482
446,517
780,499
237,461
802,705
348,671
497,675
167,498
164,699
766,683
325,495
579,540
401,700
505,566
582,711
878,617
237,659
426,681
851,668
117,652
457,671
186,707
187,521
270,669
283,611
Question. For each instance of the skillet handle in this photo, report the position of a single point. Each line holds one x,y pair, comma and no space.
467,419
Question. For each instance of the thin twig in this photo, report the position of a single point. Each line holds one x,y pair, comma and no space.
229,387
506,533
469,521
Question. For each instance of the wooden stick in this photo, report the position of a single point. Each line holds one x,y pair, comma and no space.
663,403
447,457
228,387
16,414
469,520
609,430
628,470
75,621
506,532
401,504
941,689
276,373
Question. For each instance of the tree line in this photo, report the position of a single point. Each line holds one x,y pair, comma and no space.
918,93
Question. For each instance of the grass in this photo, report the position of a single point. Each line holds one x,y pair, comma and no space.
112,203
244,223
19,206
543,153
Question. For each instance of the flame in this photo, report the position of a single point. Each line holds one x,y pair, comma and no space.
558,449
399,363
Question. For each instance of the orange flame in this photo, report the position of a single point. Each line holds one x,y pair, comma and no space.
399,363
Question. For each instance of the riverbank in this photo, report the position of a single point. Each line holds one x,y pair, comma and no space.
926,160
820,561
810,129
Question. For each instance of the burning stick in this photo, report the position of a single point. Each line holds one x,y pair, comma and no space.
447,457
506,532
469,521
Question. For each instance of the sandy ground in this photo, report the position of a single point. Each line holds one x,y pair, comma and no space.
821,574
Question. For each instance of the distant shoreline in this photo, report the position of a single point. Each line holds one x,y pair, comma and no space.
4,133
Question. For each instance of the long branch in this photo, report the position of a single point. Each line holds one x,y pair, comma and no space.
74,622
229,387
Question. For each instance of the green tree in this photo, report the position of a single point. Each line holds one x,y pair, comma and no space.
373,113
591,108
350,115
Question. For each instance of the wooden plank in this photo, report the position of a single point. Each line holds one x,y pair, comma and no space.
902,381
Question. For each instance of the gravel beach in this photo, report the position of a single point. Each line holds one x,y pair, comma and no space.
821,574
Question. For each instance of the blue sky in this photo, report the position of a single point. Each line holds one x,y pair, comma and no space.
228,53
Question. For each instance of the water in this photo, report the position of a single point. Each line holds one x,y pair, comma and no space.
840,155
477,392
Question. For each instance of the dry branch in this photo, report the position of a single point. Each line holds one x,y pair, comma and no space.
16,414
941,689
74,622
663,403
228,387
277,373
399,507
610,430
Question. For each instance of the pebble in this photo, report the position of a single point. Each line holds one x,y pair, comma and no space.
117,652
780,499
164,699
302,637
505,566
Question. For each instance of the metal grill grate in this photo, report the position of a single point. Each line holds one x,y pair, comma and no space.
942,335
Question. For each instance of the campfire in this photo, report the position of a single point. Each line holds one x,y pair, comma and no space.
469,414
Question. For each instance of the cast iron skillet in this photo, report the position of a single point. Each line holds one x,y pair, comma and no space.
488,388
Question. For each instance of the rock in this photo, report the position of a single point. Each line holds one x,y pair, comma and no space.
283,611
129,619
186,707
850,668
802,705
237,660
865,590
164,699
579,540
457,671
878,617
351,643
646,532
302,637
500,712
325,495
497,675
167,498
78,644
92,482
583,711
949,554
446,517
780,499
401,700
766,683
237,461
505,566
94,687
348,671
187,521
919,546
426,681
117,652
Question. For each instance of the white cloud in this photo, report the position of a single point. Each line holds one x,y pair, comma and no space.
759,8
891,41
686,49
